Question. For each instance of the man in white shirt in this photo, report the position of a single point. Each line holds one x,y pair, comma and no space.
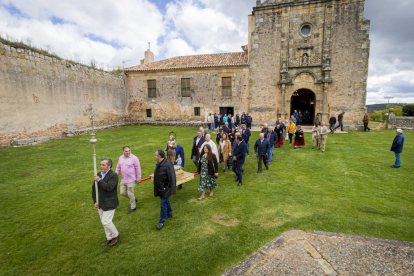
212,145
322,133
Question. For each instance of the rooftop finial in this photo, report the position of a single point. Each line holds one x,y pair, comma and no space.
149,46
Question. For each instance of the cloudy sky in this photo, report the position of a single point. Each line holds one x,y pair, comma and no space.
110,32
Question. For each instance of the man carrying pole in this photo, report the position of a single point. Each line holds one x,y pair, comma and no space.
105,199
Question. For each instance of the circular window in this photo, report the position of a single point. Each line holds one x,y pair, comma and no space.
306,30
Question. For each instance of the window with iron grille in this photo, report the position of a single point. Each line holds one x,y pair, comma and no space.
149,113
185,88
196,111
226,86
152,88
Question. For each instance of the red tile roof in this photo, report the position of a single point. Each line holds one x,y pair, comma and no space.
198,61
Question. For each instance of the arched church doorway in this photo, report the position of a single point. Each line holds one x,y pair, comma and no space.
303,100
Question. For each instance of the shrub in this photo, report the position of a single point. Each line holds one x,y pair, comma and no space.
408,110
379,115
376,116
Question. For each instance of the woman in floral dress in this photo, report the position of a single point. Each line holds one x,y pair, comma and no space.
208,170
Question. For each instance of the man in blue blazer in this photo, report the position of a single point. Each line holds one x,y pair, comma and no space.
239,155
261,148
397,147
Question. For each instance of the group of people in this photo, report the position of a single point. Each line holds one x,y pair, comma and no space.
298,118
231,150
216,120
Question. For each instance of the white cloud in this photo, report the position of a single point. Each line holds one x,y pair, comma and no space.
207,30
127,23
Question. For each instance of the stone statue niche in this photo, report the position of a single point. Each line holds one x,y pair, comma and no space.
305,59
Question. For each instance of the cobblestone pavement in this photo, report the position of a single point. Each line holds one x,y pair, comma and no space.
322,253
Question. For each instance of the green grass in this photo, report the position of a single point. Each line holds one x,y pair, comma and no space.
49,226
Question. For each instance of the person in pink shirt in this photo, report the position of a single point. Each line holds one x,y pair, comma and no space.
128,165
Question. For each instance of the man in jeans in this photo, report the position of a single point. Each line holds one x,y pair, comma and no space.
340,118
271,136
246,132
397,147
130,168
164,185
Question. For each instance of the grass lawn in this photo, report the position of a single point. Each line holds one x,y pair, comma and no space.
49,225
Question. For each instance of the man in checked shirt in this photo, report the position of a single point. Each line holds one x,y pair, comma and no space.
129,167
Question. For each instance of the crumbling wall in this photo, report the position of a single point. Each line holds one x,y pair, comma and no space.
42,95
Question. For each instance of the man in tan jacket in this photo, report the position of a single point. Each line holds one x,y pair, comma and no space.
322,134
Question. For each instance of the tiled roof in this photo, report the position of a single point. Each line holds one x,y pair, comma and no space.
198,61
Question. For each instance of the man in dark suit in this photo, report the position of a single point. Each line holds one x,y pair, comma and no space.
226,128
107,202
249,121
164,185
198,141
261,148
239,155
246,131
203,133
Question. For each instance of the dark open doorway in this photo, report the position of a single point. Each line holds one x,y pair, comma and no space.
303,100
227,110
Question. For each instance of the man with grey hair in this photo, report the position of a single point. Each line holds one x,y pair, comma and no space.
397,147
212,145
130,169
107,181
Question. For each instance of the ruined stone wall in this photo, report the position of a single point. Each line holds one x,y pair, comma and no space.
350,53
206,93
42,95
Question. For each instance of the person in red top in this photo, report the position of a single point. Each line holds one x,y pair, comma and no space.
130,168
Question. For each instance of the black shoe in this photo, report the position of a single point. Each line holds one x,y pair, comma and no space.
131,210
160,226
259,172
238,185
267,168
237,180
395,167
169,217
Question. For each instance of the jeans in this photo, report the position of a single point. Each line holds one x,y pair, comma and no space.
212,126
271,153
166,211
340,125
397,159
366,126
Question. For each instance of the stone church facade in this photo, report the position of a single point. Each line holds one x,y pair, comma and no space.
301,54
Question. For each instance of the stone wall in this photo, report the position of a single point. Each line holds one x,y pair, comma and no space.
42,95
169,105
401,122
